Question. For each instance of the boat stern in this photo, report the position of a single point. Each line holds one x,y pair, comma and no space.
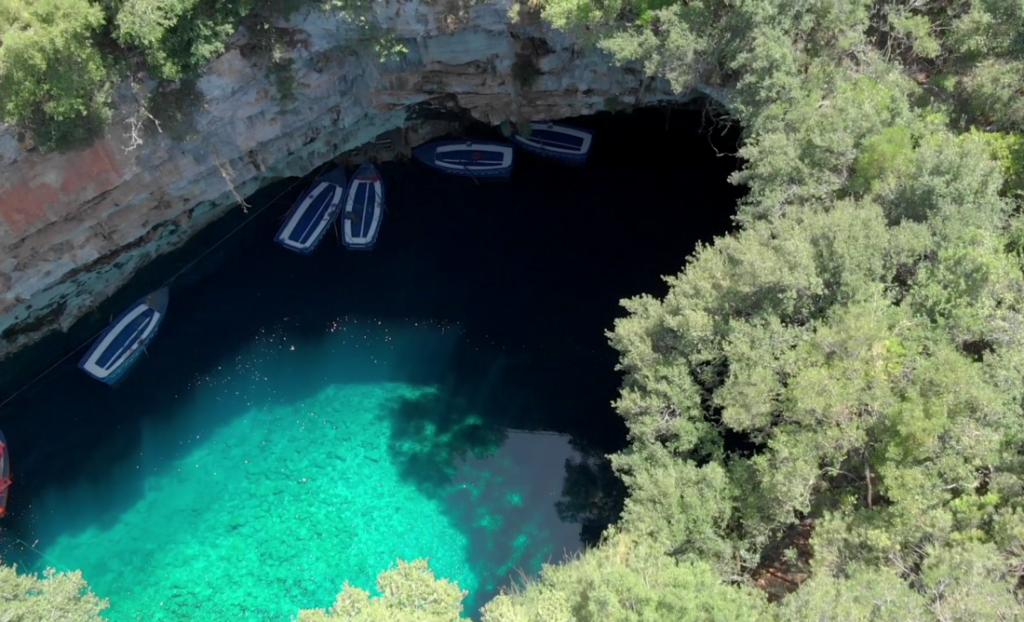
335,176
366,172
159,300
425,153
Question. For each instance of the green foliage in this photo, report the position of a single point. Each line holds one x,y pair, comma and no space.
628,581
866,596
949,176
59,58
385,45
62,597
1008,150
860,346
269,45
283,75
178,36
853,356
988,29
916,29
671,50
53,79
849,362
803,149
990,62
994,92
884,158
173,43
409,593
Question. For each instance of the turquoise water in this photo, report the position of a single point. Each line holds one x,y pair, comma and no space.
267,511
302,421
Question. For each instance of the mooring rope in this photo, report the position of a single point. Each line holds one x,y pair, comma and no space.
166,283
233,231
56,564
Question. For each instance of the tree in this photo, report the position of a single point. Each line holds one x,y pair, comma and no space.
53,79
988,59
851,360
178,36
409,593
60,58
851,357
53,597
849,365
628,580
863,349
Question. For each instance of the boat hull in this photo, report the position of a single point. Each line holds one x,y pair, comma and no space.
552,140
467,158
313,213
122,343
364,209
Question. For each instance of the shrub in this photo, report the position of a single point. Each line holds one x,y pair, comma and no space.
53,79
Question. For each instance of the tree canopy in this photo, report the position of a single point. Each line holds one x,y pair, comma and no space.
52,597
833,393
409,592
59,59
848,365
53,79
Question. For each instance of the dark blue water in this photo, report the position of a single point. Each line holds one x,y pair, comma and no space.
501,293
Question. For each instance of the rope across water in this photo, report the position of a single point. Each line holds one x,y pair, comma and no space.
166,283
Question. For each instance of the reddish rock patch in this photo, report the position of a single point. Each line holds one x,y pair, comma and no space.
29,204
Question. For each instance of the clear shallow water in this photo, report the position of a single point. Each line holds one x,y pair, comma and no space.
301,421
251,507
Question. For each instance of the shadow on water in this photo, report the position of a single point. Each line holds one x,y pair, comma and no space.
71,431
432,431
499,487
125,436
592,494
531,270
523,498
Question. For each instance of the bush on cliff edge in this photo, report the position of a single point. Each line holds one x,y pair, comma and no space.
54,81
60,58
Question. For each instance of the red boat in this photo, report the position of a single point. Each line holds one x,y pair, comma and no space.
5,474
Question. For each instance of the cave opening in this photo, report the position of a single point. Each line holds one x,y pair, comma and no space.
498,295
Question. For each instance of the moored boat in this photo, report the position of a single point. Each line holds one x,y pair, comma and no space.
554,140
364,209
467,157
121,344
313,213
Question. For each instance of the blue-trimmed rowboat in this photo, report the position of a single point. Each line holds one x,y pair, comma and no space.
123,342
313,213
364,209
564,142
467,157
5,474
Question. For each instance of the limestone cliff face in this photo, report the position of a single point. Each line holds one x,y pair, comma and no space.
74,227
